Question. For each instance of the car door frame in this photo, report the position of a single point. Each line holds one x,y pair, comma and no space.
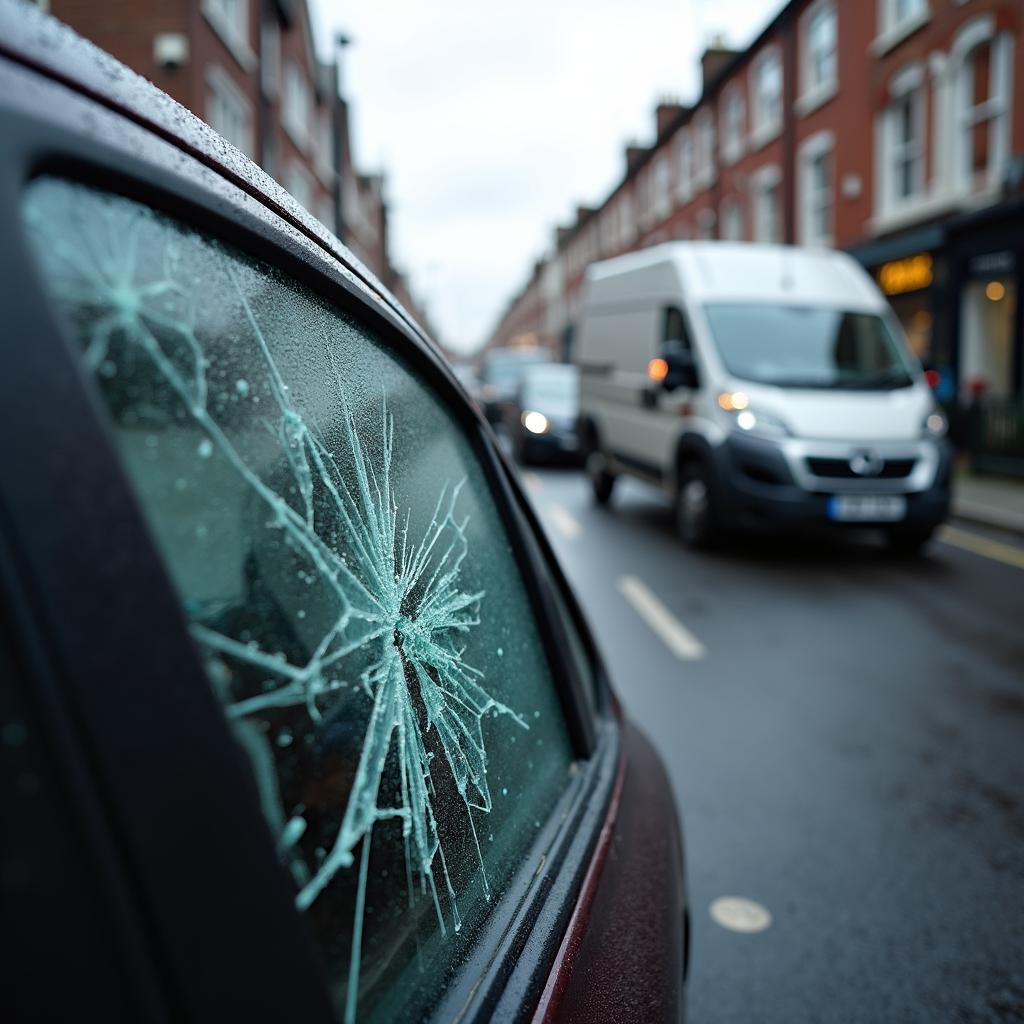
86,655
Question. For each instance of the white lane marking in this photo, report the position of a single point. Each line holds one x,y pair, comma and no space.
564,522
532,481
677,638
739,914
979,545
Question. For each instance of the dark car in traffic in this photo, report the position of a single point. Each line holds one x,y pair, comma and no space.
542,420
299,719
501,373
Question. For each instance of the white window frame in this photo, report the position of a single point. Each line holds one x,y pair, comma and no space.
764,126
299,180
270,58
704,171
297,93
893,29
995,111
685,165
816,147
230,20
325,146
661,180
234,120
814,91
766,181
907,86
733,128
733,228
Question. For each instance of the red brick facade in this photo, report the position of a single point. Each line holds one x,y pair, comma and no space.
249,68
892,140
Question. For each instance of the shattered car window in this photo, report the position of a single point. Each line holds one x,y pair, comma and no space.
347,578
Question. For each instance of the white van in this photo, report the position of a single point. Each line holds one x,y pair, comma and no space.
758,385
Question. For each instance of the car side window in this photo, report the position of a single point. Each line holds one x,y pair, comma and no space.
348,580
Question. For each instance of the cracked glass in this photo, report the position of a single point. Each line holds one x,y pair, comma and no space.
347,578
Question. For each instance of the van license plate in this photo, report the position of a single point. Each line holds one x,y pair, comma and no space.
867,508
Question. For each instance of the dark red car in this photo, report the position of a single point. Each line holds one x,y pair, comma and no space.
299,720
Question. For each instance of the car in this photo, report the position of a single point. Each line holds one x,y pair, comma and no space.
760,387
299,719
501,371
541,421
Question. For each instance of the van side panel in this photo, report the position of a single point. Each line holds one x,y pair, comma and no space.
620,333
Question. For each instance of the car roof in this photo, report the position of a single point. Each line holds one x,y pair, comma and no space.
741,272
41,42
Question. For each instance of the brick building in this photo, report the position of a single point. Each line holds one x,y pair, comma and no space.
884,127
249,68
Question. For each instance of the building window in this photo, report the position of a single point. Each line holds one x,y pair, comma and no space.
662,181
982,84
685,167
298,103
766,98
704,150
230,20
325,148
228,111
819,64
897,15
270,58
733,127
300,183
817,190
732,220
766,186
902,142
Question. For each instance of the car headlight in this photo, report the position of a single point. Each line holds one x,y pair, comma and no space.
935,425
535,422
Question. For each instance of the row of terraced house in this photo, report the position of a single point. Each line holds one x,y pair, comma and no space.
893,129
250,69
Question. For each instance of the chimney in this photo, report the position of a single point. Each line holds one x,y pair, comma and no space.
582,213
714,58
665,113
561,235
634,154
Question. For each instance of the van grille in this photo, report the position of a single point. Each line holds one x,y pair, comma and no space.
839,469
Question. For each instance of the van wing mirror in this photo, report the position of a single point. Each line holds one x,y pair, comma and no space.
674,368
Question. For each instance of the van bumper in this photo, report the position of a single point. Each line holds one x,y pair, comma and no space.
758,488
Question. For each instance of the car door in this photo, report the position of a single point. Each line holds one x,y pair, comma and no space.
339,745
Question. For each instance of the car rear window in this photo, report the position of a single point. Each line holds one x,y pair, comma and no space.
349,582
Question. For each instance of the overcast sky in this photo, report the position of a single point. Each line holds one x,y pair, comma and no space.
493,120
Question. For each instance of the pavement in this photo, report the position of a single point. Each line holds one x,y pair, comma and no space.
992,501
843,729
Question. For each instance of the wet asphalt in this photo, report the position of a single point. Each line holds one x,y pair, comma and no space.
848,753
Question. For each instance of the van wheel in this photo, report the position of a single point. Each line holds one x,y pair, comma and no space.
602,482
695,513
908,540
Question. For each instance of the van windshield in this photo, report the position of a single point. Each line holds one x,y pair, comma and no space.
808,347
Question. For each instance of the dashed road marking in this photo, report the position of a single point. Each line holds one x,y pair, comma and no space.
564,523
979,545
739,914
676,637
532,482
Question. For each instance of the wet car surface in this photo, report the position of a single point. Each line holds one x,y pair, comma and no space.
300,718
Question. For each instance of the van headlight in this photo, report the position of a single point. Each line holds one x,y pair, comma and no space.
756,422
935,425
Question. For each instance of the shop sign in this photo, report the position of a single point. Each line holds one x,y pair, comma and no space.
910,274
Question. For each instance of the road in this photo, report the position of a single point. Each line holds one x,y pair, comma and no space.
845,734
